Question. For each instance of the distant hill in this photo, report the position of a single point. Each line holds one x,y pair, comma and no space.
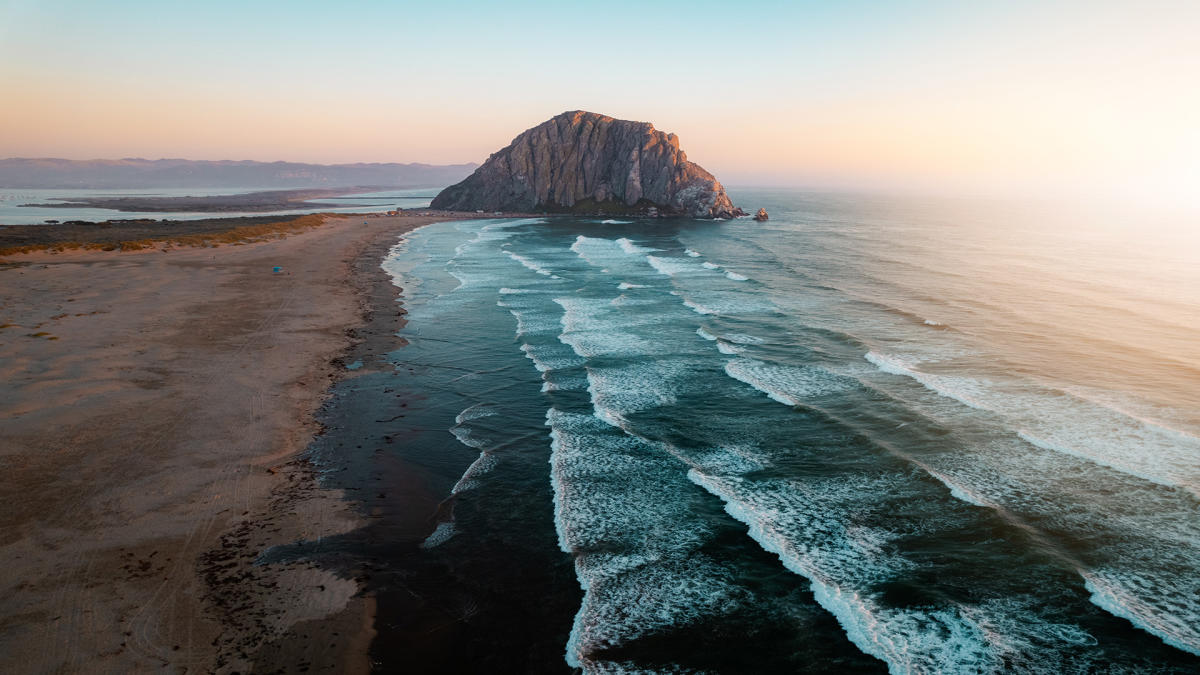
162,173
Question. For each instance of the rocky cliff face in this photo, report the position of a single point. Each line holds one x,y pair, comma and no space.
584,162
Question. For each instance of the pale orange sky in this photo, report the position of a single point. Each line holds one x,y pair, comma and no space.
916,94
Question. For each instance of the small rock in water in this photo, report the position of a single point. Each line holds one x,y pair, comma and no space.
761,215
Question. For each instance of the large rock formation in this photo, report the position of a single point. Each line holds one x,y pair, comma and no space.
582,162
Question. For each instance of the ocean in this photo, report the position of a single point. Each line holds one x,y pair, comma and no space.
870,434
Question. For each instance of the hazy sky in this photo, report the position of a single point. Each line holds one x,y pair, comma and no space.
955,94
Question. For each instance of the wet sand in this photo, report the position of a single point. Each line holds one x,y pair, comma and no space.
152,408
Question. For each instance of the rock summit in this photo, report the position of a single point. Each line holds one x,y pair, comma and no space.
582,162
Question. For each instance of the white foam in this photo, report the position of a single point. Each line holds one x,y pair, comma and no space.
668,266
622,509
618,391
697,307
463,279
530,264
623,300
729,344
1179,629
792,522
625,285
538,364
488,233
532,323
789,385
546,359
594,343
728,349
440,535
959,491
710,266
558,380
464,436
1144,535
609,254
475,412
743,339
467,436
1102,461
595,250
730,460
616,222
950,387
1068,425
691,254
524,291
734,276
731,303
470,478
1155,418
633,249
1015,628
595,327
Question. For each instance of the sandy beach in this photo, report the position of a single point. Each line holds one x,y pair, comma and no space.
152,408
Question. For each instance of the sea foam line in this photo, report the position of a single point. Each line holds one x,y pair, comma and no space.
1140,599
619,512
923,647
668,266
1129,446
934,383
530,264
1115,600
788,385
633,249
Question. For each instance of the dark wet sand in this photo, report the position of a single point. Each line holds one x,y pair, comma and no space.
502,597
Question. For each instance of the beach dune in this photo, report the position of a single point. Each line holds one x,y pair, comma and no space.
151,408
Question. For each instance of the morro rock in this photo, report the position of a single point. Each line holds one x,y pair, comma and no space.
582,162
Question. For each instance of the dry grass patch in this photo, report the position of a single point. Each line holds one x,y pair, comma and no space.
245,234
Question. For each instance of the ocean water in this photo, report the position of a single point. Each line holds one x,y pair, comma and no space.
12,211
871,434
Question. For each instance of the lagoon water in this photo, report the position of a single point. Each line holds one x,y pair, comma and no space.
12,211
871,434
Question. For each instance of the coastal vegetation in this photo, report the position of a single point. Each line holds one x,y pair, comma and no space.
233,234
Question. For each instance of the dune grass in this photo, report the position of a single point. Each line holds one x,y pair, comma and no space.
245,234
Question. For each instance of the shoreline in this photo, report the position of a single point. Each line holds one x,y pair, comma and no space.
157,406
